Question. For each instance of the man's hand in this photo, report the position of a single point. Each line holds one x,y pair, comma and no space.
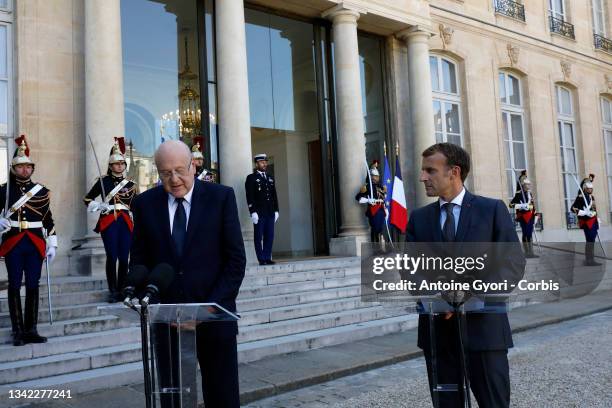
582,213
363,200
275,216
50,254
106,208
254,218
5,225
93,206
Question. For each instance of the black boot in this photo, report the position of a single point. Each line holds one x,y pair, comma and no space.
589,251
121,273
31,318
529,252
14,301
111,278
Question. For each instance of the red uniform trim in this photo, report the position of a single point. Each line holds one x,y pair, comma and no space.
106,220
586,222
10,243
374,209
525,216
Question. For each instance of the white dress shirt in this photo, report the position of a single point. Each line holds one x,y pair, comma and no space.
186,204
456,209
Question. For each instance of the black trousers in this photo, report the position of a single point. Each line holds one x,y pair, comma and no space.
218,359
489,372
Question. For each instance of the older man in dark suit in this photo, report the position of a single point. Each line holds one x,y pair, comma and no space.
194,227
459,216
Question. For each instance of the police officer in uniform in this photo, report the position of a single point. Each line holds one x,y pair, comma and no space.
375,211
584,207
198,160
115,222
263,206
28,238
524,204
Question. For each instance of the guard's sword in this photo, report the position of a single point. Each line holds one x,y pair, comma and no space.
48,282
98,165
588,206
8,175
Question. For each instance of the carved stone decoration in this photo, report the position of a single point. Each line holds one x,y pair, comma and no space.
566,68
446,33
513,54
608,79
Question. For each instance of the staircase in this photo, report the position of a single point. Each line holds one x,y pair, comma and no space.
285,308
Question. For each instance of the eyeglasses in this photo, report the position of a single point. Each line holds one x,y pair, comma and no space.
180,172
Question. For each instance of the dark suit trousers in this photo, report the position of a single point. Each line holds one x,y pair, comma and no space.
488,370
218,360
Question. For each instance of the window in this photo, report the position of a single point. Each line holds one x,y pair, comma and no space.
567,144
606,113
599,19
6,83
513,128
446,100
556,9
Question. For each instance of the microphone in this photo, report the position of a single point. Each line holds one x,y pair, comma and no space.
137,277
160,279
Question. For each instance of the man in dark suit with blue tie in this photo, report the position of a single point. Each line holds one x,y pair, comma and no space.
459,216
194,227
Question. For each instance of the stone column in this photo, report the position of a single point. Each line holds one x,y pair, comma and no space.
104,112
235,156
351,141
421,108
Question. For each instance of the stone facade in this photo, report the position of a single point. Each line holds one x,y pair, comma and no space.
56,92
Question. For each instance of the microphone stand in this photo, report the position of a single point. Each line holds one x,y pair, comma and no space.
464,387
144,314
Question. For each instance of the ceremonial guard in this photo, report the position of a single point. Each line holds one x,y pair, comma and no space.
263,206
115,222
584,207
373,194
28,239
198,160
524,205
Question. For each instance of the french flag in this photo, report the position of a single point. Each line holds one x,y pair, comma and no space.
399,212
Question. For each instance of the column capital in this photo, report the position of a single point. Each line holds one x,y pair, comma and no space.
415,32
344,12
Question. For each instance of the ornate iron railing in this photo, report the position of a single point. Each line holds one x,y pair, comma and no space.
602,43
561,27
510,8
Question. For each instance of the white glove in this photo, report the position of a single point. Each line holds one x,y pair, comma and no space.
523,207
254,218
592,213
363,200
5,225
371,201
106,208
275,216
583,213
50,254
93,206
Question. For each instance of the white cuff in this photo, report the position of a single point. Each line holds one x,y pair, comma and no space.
52,240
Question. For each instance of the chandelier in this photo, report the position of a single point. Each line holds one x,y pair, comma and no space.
189,113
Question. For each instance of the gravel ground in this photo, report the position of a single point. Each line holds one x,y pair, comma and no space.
563,365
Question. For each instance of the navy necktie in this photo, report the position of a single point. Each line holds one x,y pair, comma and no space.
448,230
179,226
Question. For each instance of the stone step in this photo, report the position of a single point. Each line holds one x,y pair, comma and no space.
304,265
25,370
59,313
302,276
76,326
273,301
66,299
310,323
256,350
264,316
78,382
72,343
284,288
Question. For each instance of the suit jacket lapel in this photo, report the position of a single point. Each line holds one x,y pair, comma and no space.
162,208
435,221
197,202
464,218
